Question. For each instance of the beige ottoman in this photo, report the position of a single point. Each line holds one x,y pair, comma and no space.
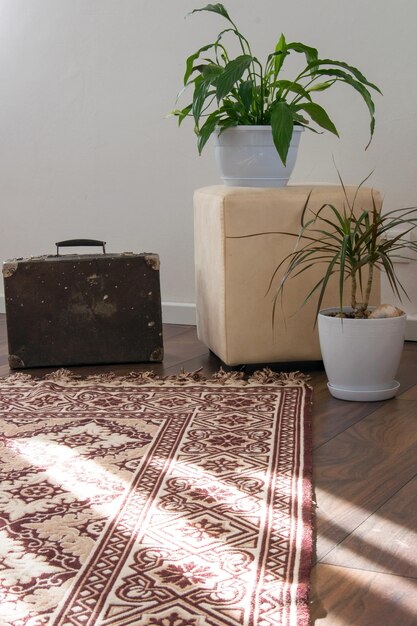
234,306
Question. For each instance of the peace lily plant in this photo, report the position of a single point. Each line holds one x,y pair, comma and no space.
230,91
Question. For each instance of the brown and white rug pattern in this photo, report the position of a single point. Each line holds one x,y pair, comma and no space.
147,502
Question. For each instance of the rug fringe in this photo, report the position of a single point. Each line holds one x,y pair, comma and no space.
265,376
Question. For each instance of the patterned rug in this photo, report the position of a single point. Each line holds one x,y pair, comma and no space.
140,501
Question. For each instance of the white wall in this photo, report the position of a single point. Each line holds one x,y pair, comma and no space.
85,149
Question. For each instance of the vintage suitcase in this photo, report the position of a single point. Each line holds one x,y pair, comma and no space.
79,309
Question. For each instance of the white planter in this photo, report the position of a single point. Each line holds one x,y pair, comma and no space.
246,157
361,357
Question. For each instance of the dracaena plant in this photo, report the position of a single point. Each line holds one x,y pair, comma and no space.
243,91
350,243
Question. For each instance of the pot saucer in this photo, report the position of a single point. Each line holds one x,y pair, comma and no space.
364,395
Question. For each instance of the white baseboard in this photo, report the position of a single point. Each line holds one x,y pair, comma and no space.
172,312
179,313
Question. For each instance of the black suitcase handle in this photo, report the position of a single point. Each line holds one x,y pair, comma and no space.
70,243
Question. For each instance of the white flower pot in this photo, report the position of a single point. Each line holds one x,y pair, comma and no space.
361,357
246,157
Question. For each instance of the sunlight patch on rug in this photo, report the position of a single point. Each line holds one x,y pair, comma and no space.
155,502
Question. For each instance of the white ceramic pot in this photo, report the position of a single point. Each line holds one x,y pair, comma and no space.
246,157
361,357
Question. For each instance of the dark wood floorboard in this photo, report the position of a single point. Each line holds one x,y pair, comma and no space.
352,597
365,478
387,540
356,472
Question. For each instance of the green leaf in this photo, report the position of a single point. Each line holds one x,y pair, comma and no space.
311,54
322,86
341,225
189,64
211,71
232,109
393,279
226,123
353,70
318,115
288,85
232,73
201,92
343,253
280,54
328,274
207,129
214,8
245,93
182,113
282,124
346,78
298,119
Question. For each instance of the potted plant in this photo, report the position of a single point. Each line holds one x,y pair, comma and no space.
361,346
253,111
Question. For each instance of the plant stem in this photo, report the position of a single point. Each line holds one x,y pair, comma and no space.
242,39
261,84
369,286
297,79
353,302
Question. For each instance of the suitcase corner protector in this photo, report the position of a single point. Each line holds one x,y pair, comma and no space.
15,362
9,268
153,261
157,355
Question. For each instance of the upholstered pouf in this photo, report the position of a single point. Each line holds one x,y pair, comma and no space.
233,275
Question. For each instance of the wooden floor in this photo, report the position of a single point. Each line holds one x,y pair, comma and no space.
365,477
